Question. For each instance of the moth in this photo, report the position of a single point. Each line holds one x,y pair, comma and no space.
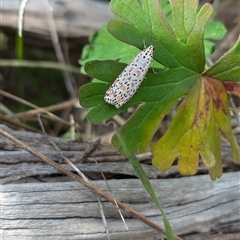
129,80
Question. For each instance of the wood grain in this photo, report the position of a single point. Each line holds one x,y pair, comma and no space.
67,210
72,18
37,202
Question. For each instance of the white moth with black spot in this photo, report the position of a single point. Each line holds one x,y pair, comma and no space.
129,80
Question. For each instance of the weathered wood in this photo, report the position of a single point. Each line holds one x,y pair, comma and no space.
70,211
18,164
56,209
72,18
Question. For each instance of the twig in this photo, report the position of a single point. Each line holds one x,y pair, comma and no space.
14,124
39,64
79,173
85,183
41,110
52,116
68,78
79,158
72,128
112,195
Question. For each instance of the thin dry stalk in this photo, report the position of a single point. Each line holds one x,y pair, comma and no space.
85,183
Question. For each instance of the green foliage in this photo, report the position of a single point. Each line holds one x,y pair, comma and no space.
179,46
213,31
3,41
101,42
19,47
145,181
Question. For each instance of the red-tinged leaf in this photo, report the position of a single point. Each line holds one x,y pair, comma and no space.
184,137
233,87
196,130
214,143
221,114
219,123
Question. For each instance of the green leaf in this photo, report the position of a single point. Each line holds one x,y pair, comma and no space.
209,47
103,46
140,23
202,116
102,41
165,91
215,30
227,68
